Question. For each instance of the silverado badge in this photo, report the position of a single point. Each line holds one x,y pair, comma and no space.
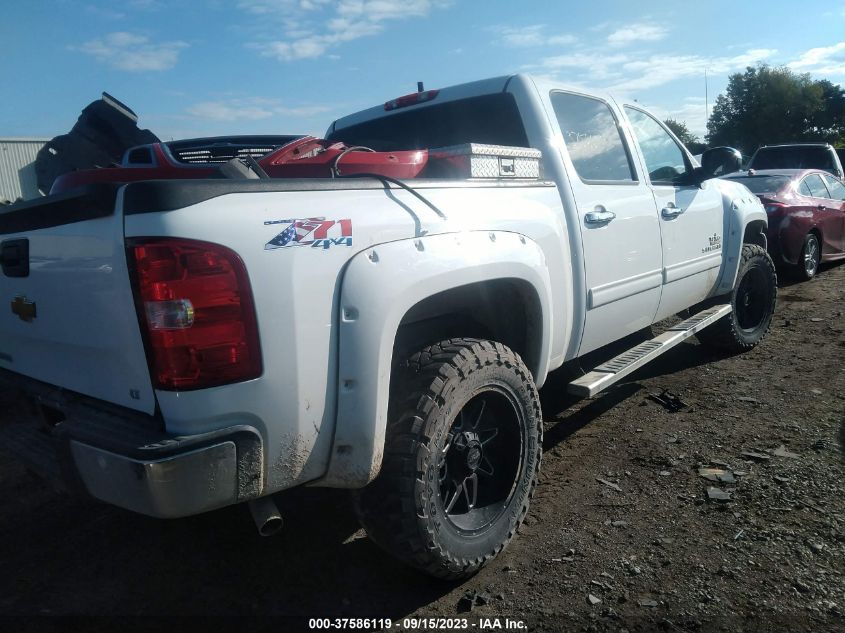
23,308
715,244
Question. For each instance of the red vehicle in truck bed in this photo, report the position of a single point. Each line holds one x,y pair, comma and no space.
270,156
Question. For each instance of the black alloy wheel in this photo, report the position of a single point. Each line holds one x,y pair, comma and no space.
479,465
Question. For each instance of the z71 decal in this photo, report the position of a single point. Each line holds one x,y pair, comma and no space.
313,232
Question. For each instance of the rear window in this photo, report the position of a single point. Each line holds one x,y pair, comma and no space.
816,186
592,137
792,158
490,119
763,184
836,188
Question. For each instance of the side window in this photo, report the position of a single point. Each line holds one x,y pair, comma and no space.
592,138
836,188
665,161
816,186
804,188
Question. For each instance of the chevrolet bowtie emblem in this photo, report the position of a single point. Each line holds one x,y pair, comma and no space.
23,308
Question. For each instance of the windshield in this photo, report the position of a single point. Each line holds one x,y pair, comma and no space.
763,184
792,158
490,119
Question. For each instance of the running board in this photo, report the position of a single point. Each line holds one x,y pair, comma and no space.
617,368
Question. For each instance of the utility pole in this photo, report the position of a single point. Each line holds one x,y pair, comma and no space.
706,98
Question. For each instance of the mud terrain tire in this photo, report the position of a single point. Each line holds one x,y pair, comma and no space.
753,300
462,456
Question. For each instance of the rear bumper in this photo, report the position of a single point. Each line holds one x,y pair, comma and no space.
782,241
123,457
186,483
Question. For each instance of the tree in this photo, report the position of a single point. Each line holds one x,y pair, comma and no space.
686,137
831,121
767,105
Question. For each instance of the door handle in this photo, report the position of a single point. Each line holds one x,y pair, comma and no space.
14,257
670,211
599,216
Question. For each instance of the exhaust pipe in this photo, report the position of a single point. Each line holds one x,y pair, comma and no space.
266,516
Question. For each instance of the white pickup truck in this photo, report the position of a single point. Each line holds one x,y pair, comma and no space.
180,346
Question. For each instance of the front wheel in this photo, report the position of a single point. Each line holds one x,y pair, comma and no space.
753,301
461,460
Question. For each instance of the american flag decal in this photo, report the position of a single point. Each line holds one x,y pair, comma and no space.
313,232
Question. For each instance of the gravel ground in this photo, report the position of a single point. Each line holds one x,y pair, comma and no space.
626,531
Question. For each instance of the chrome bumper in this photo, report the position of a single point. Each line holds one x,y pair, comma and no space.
185,484
124,457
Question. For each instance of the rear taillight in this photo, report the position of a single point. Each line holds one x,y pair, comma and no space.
197,310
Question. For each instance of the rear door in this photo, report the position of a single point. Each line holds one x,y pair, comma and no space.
825,213
618,220
67,315
691,216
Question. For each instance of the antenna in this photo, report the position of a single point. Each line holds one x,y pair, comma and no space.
706,99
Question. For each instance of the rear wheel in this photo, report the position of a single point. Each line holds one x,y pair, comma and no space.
808,262
461,458
753,301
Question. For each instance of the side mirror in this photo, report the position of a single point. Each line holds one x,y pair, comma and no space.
718,161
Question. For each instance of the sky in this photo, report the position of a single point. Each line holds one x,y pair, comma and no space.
193,68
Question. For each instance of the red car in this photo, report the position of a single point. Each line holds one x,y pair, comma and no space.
806,209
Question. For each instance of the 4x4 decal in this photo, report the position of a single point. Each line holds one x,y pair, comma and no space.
314,232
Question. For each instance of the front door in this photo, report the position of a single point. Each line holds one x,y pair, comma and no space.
618,220
692,220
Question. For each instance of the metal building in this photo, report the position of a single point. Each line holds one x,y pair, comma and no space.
17,168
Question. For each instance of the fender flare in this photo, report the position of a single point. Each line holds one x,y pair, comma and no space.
380,285
740,213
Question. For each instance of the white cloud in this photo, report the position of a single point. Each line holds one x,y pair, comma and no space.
104,12
133,52
598,66
825,60
632,71
111,13
534,35
302,111
657,70
253,109
692,111
636,33
311,28
221,111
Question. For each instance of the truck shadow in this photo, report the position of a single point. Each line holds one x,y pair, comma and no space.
91,559
566,414
62,556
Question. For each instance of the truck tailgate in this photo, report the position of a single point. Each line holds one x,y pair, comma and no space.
71,320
